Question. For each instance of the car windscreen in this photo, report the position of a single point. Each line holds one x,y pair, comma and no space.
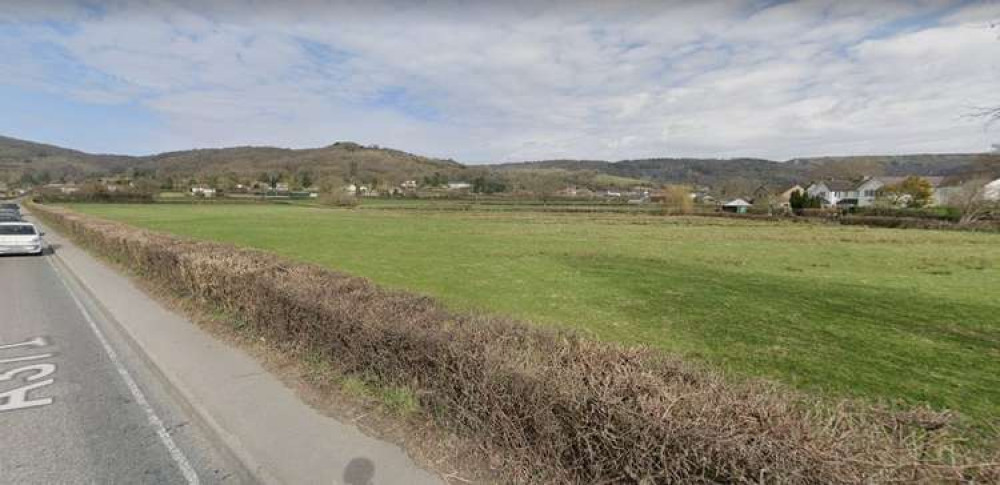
17,230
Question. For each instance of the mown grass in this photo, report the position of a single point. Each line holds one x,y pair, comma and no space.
891,314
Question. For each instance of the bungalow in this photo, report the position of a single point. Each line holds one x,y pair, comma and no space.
738,206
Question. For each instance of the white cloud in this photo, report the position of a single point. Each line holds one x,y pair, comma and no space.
483,82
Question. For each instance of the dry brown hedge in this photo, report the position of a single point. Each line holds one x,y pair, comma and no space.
553,406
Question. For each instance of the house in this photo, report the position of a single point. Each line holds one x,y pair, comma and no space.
784,199
738,206
281,187
408,185
351,189
833,193
201,191
761,194
459,186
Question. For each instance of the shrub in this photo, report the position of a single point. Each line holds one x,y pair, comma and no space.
339,199
548,405
92,193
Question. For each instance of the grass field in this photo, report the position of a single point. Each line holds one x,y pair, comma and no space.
904,315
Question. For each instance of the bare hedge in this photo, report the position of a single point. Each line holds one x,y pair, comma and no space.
549,405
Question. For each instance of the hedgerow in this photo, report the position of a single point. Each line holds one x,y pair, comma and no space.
548,405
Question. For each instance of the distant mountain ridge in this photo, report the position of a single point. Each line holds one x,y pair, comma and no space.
339,160
347,160
712,172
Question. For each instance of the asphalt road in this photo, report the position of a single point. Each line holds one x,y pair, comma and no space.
77,403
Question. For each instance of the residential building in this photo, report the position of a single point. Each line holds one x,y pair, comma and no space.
202,191
784,199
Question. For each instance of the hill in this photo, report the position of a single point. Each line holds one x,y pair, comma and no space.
36,163
18,157
755,171
40,163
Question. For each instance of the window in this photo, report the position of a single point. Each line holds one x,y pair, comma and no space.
17,230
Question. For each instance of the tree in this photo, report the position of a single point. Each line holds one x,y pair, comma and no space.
973,202
484,185
913,192
436,180
677,199
304,179
801,200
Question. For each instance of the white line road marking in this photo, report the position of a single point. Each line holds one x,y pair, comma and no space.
35,342
178,456
22,359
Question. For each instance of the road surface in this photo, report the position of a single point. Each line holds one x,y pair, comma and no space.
77,403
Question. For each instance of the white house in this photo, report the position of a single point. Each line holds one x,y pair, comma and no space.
408,185
459,185
203,191
865,192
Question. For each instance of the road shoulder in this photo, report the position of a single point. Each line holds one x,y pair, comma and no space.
252,413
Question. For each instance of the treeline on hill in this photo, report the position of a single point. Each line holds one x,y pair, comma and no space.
546,405
26,163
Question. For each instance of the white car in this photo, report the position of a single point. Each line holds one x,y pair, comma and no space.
20,238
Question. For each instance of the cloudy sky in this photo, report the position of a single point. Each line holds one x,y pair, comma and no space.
479,82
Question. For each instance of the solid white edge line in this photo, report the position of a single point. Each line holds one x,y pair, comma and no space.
161,431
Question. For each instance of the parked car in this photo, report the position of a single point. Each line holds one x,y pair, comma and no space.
10,206
10,217
20,238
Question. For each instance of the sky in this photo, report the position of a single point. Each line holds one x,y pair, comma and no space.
481,82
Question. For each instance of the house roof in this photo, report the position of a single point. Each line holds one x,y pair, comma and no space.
840,185
737,203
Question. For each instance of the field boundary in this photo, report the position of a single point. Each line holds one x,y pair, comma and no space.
550,405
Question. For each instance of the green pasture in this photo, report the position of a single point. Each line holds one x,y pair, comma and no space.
901,315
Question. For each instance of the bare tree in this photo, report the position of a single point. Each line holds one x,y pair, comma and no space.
973,202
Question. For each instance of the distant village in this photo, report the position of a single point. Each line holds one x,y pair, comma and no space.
865,192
